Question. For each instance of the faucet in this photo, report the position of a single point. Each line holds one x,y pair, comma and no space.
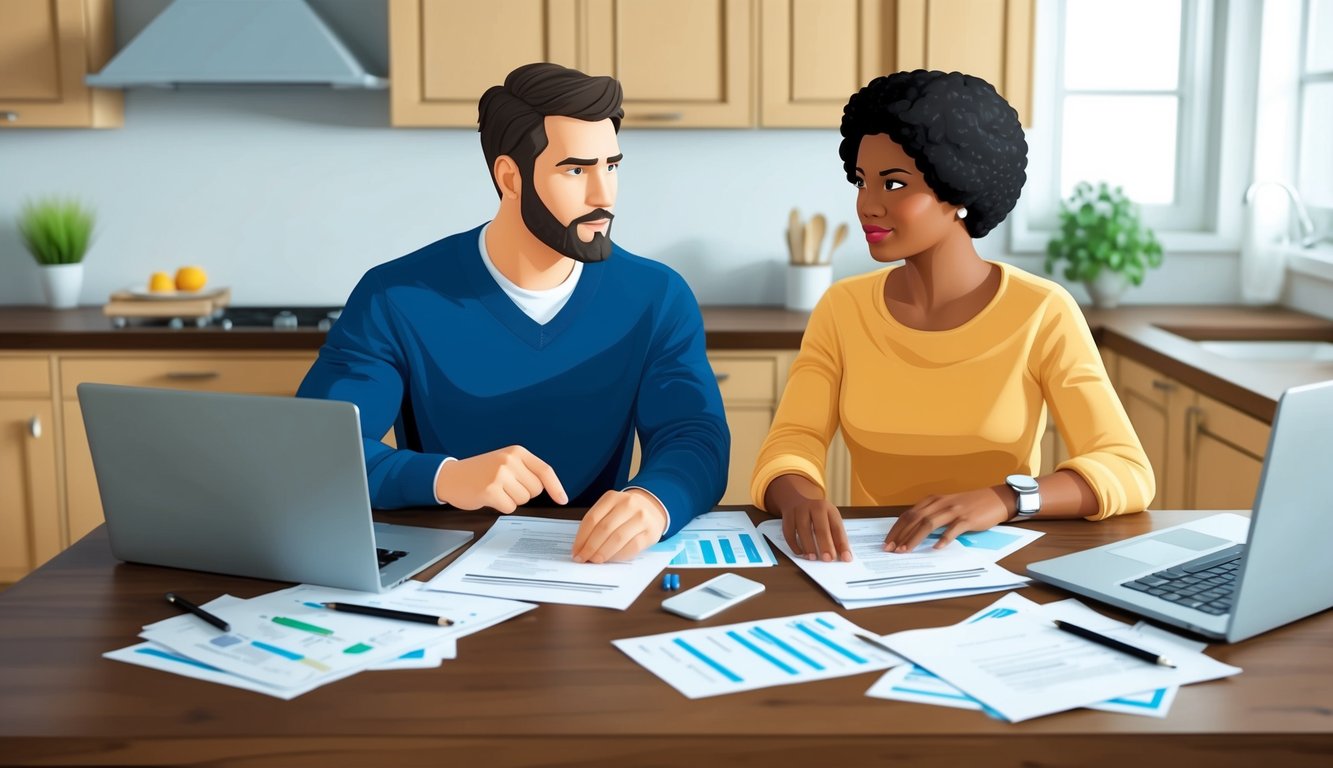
1308,237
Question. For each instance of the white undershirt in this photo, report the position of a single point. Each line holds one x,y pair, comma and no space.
541,306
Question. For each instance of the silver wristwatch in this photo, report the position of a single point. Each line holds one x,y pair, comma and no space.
1029,495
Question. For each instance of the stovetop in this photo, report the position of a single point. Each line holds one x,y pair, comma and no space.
277,318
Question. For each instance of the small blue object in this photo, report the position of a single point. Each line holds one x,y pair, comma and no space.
675,581
666,581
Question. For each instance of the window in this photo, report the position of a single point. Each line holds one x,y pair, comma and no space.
1129,92
1314,176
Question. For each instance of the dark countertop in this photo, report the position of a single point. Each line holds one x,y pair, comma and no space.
1143,333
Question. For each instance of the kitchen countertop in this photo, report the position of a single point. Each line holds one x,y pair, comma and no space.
1143,333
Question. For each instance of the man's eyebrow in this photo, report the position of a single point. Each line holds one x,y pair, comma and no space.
577,161
615,158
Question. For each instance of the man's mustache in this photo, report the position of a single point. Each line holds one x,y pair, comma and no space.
595,215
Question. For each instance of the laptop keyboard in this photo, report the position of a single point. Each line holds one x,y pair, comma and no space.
387,556
1205,584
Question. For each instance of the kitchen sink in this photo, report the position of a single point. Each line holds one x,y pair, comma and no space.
1272,351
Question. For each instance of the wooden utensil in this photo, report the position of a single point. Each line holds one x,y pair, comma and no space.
838,236
814,237
795,237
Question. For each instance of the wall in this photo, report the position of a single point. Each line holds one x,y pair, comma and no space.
288,195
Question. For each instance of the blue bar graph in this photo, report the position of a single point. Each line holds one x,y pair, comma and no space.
775,661
751,551
696,653
830,644
763,634
174,657
707,548
824,622
727,554
276,650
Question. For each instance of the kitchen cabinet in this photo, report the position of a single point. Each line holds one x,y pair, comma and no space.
246,373
46,49
29,518
444,54
1204,454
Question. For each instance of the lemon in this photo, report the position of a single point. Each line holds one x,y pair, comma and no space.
161,282
190,279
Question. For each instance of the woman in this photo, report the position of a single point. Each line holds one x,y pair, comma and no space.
939,371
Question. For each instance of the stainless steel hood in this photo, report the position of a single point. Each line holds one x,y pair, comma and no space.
236,42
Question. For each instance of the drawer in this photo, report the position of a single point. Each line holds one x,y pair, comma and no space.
25,376
252,375
746,378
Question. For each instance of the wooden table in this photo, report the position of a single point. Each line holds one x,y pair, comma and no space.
549,688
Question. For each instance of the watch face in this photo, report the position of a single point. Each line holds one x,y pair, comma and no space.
1022,483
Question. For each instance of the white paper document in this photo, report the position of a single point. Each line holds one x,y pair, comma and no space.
726,539
994,544
528,558
875,577
910,682
1022,666
711,661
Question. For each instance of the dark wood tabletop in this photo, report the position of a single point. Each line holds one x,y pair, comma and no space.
549,688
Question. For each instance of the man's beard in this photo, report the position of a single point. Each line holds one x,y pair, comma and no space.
564,240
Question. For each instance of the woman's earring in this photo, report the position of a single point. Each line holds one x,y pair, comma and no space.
962,213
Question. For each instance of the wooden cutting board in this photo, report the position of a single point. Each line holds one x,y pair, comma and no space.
205,304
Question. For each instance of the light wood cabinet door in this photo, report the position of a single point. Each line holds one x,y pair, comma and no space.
46,49
991,39
1148,398
444,54
684,63
29,511
1224,456
815,54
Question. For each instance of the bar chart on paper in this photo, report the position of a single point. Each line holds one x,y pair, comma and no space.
742,657
725,539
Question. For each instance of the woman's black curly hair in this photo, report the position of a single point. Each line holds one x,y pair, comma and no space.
964,137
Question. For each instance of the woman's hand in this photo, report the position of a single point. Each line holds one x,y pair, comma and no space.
957,513
810,523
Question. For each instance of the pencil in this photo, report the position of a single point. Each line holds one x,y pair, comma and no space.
186,605
389,613
1114,644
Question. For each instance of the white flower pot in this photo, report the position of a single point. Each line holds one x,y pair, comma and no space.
1106,288
61,284
806,283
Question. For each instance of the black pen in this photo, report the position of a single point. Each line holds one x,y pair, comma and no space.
186,605
1111,642
869,640
389,613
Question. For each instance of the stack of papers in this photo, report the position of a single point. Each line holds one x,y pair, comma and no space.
711,661
286,643
1010,661
528,558
875,577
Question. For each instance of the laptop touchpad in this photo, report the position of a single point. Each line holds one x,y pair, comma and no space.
1169,547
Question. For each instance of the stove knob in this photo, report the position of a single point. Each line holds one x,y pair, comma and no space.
325,325
284,320
176,324
226,323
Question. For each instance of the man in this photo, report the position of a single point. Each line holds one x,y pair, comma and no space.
517,361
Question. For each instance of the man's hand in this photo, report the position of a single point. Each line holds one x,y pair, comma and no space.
811,524
619,526
957,513
502,480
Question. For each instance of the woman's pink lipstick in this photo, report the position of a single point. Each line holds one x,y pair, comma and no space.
875,234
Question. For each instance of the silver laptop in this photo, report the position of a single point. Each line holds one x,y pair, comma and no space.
1227,576
266,487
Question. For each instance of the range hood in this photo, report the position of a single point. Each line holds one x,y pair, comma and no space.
235,42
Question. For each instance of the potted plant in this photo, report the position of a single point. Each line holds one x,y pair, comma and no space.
57,232
1104,242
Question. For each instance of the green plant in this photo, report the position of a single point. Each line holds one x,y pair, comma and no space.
56,231
1100,228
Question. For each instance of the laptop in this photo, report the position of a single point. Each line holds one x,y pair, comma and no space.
1226,576
267,487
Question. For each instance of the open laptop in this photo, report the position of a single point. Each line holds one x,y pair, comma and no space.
1226,576
266,487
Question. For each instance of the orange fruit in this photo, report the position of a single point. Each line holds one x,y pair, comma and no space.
161,282
190,279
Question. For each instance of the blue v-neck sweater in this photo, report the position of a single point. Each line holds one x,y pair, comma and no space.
431,345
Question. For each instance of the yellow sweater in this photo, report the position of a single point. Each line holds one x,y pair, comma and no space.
931,412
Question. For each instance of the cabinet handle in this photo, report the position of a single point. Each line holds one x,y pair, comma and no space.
35,427
192,375
1163,386
1193,425
9,116
660,117
721,377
